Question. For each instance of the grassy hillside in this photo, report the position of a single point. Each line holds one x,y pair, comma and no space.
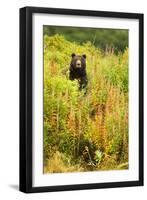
84,132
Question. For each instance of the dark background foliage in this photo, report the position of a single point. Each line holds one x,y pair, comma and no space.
99,37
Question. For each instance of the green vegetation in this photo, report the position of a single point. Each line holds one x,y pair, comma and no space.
106,39
84,132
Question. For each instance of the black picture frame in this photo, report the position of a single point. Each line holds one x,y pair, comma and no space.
26,73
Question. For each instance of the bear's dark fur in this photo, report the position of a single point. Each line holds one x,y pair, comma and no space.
78,70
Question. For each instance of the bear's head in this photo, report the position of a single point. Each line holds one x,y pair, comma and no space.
78,62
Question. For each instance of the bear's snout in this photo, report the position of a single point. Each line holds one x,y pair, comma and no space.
78,64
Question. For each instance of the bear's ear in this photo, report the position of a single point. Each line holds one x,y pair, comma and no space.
73,55
84,56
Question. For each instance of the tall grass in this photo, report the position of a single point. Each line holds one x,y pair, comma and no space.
84,132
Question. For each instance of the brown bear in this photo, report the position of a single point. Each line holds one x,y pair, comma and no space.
78,70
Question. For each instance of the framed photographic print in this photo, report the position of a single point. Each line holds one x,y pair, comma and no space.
81,99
